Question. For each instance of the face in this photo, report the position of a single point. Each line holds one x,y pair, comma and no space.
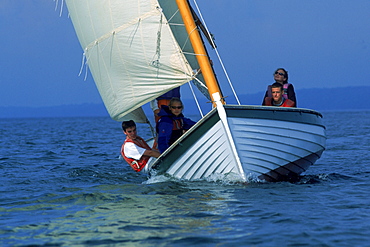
277,94
279,76
176,108
131,133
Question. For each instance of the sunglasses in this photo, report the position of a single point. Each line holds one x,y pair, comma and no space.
176,107
279,73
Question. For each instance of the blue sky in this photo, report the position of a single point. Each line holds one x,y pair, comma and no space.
321,44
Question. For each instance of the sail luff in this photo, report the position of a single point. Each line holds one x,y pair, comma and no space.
199,49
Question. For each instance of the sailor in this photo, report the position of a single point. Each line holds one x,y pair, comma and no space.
171,124
135,150
281,76
164,99
277,98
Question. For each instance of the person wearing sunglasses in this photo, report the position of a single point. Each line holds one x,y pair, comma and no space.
171,124
281,76
164,99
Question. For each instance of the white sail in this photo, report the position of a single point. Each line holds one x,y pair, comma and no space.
130,50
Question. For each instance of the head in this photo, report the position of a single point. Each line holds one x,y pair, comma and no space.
277,92
129,129
281,75
176,106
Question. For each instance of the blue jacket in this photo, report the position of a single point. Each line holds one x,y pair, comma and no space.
170,127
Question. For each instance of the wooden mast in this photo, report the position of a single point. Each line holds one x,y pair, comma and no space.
199,49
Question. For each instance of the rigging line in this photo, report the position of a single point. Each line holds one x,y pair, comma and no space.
61,6
195,97
182,51
193,78
192,53
218,55
85,55
186,42
177,24
56,4
170,19
192,90
86,71
82,63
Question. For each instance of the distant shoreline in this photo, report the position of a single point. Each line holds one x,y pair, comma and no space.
322,100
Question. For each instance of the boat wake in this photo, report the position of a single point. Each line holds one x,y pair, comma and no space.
320,178
224,179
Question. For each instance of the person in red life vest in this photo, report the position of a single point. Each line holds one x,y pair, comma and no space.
281,76
172,124
135,150
277,98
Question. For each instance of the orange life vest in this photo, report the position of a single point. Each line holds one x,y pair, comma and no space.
137,165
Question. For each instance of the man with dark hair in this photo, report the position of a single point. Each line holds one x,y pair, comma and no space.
277,98
135,150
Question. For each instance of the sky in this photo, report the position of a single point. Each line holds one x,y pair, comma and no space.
322,44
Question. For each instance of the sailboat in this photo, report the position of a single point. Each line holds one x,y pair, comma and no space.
138,50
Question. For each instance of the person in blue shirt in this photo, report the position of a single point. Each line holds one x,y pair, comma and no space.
171,124
164,99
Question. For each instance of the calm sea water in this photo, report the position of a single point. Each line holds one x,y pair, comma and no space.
63,184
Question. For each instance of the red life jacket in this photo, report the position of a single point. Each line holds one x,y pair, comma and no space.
137,165
285,89
286,103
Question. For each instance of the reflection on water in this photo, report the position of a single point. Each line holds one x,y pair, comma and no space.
124,213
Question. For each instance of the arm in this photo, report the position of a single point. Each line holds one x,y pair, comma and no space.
164,133
291,94
154,105
133,151
151,153
188,123
155,109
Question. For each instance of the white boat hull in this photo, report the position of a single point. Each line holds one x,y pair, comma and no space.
266,143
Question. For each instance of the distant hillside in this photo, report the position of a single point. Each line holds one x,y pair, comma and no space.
83,110
347,98
344,98
321,99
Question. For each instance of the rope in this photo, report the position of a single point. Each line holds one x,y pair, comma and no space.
218,55
61,6
195,97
